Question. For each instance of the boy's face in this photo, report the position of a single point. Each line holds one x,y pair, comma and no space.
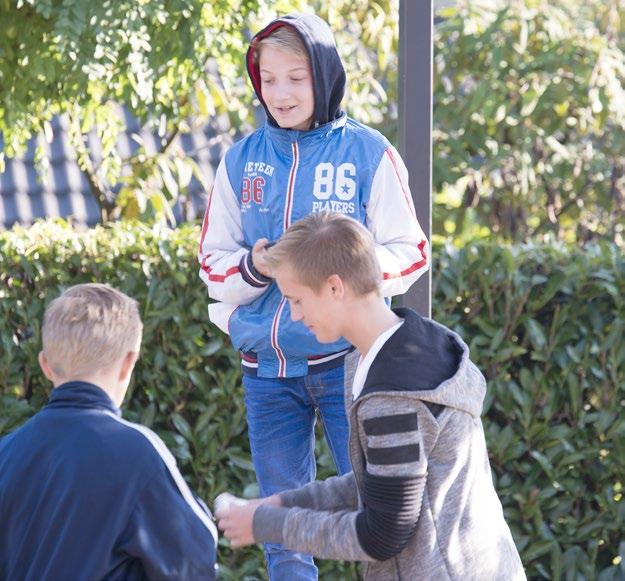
319,311
287,88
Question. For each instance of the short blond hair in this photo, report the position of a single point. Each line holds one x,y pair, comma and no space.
88,328
286,39
327,243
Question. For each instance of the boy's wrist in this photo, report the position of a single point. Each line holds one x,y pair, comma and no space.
249,273
273,500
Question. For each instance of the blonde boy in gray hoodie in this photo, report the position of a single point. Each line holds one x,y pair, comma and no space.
419,502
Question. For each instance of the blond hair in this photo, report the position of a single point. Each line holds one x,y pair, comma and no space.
88,328
327,243
286,39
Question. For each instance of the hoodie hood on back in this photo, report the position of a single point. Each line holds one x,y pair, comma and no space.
328,73
432,362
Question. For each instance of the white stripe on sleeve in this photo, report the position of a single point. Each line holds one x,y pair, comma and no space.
170,462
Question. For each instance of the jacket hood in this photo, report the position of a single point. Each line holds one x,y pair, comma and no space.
327,69
430,361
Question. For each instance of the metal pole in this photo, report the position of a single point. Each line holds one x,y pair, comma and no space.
415,125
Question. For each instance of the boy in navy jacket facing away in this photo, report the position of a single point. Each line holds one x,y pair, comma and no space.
85,494
420,501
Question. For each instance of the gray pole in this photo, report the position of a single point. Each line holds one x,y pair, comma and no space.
415,125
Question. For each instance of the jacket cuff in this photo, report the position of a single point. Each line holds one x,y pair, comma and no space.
268,523
250,275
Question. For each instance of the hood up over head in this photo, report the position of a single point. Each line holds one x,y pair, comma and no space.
327,69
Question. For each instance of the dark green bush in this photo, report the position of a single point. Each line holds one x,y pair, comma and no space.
545,323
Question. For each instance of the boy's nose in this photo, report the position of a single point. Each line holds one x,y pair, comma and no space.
282,92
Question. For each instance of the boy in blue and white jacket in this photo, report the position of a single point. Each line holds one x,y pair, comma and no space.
85,494
308,157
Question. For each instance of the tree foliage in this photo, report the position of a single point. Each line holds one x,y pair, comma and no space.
529,103
175,64
529,119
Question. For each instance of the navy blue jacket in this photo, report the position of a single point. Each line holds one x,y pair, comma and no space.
85,494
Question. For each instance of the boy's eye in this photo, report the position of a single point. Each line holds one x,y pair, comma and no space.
266,81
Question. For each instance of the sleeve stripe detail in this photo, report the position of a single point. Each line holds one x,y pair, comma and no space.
415,266
221,277
170,463
403,185
395,455
396,424
205,221
207,269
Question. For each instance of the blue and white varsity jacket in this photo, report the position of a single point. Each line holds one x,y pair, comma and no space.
274,177
85,494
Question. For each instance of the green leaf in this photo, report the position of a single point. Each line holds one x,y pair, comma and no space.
537,335
182,426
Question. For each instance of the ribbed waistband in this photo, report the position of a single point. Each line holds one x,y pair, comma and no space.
316,363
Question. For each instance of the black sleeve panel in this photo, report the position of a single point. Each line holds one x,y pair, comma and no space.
395,424
391,507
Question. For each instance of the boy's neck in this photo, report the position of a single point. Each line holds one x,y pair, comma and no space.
104,381
368,319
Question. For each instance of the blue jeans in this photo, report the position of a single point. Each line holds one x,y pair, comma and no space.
281,421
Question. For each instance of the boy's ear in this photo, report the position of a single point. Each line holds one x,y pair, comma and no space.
128,364
45,366
337,288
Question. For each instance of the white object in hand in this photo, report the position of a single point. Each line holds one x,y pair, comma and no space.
225,499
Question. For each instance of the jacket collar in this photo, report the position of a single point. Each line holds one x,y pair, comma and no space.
80,394
284,138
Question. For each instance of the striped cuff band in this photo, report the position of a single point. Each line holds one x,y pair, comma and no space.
250,275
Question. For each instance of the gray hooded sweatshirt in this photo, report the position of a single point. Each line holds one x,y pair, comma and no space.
420,501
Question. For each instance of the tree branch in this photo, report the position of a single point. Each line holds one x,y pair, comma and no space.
104,196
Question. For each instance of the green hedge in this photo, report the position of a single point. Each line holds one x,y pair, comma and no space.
545,323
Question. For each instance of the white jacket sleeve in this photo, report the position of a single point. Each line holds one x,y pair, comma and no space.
225,260
401,246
